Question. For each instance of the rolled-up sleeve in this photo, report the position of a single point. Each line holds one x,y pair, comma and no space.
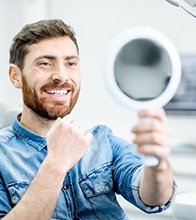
148,209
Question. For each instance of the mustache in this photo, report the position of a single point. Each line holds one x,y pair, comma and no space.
59,85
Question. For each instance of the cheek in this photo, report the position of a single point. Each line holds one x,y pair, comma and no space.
32,85
78,83
77,80
36,81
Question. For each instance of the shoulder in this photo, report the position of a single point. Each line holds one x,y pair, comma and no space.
6,134
101,130
105,133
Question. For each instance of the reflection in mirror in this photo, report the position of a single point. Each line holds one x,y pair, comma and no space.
142,69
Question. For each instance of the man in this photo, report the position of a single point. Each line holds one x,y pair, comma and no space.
52,167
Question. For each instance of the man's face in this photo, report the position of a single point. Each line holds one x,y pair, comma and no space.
51,77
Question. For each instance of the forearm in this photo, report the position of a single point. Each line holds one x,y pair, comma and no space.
40,198
156,185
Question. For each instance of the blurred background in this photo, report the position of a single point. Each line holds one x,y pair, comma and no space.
96,23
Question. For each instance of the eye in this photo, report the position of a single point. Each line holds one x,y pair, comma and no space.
72,63
45,63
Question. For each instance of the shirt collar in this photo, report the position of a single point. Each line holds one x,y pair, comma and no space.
31,138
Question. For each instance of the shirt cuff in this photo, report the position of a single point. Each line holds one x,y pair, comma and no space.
149,209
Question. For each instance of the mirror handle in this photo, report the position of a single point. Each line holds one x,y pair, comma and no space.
149,160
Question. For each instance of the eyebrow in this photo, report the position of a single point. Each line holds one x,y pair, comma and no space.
51,57
72,57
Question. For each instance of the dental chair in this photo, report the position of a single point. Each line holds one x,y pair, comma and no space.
7,115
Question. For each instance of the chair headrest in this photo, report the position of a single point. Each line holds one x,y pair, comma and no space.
7,115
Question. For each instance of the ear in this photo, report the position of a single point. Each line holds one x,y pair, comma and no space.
15,75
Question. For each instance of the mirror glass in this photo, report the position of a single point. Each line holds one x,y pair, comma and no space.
142,69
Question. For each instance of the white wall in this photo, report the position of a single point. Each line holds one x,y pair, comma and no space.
96,22
11,20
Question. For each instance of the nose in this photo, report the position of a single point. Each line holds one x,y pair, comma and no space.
60,74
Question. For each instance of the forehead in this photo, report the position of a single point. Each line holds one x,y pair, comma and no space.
54,46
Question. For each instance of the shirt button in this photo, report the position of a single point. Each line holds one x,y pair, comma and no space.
66,186
14,199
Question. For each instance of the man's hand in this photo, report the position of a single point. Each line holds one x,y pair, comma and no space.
152,136
67,141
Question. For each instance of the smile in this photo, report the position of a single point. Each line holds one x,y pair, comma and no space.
58,92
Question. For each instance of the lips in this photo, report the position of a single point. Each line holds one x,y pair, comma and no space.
60,94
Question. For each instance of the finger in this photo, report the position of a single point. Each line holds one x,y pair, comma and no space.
155,138
88,136
78,127
68,118
157,113
150,125
155,150
54,126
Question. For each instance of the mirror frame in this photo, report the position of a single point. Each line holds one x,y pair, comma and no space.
152,34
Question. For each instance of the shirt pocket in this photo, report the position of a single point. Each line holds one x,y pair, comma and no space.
98,181
97,187
17,190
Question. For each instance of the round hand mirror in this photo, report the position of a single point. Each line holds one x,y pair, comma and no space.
143,70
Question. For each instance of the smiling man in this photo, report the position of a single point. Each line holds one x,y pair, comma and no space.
51,166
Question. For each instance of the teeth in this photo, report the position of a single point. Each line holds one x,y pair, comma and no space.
57,92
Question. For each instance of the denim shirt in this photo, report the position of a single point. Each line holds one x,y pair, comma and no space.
110,165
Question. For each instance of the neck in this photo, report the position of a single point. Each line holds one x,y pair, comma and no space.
34,122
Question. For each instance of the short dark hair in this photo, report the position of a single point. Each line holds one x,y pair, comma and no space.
35,32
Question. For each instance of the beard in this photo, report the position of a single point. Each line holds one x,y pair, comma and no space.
41,107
